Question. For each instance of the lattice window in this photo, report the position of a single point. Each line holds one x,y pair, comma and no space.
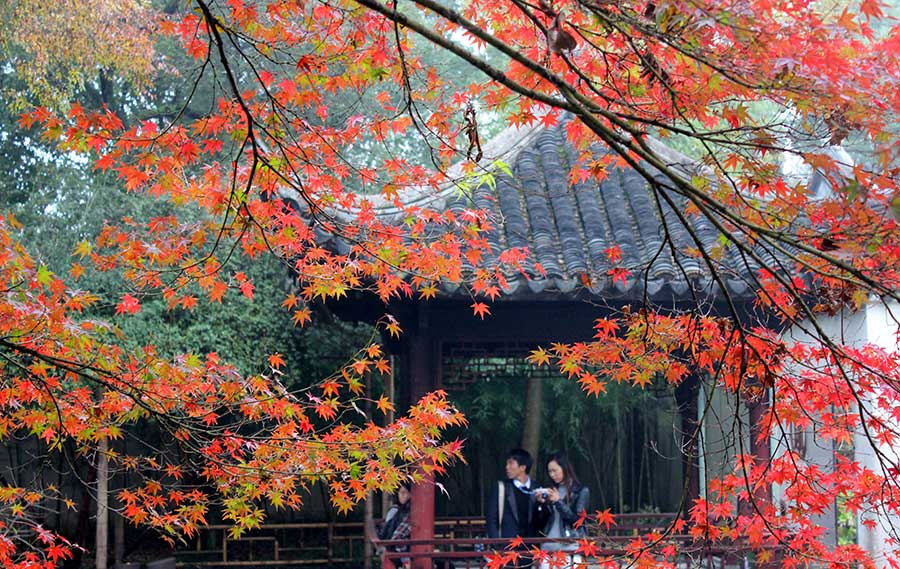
464,363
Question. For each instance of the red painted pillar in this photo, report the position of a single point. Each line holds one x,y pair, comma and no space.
421,373
422,514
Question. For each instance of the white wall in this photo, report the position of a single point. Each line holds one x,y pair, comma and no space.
873,325
881,331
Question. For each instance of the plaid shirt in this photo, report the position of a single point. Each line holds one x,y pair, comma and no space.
402,531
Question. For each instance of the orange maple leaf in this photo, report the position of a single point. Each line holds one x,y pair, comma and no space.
188,302
427,292
247,289
539,357
217,291
76,271
276,361
330,387
302,316
871,8
384,405
361,366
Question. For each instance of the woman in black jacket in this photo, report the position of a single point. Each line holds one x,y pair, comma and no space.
566,499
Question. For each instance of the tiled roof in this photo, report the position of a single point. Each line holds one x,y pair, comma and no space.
567,228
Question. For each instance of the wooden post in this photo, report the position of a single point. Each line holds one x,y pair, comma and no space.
330,551
118,539
758,409
421,511
531,428
620,458
686,395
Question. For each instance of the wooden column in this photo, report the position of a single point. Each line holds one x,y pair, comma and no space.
686,395
531,429
758,410
421,373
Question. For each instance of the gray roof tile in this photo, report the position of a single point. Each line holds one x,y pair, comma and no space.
567,228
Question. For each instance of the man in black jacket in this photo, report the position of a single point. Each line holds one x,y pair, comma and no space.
510,507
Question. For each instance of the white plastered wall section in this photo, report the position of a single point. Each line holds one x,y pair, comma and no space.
881,330
873,325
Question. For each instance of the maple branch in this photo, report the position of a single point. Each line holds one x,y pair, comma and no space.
215,26
438,40
667,39
637,145
585,113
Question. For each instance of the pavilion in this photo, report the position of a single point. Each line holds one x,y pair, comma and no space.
567,228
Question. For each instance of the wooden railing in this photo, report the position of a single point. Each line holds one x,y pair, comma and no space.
467,547
330,544
277,544
610,552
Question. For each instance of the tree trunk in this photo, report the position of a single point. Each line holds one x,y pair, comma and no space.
389,418
102,548
531,431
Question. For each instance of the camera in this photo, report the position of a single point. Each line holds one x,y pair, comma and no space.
543,493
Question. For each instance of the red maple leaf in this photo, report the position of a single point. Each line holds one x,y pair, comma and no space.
605,518
587,547
480,309
614,254
619,274
128,305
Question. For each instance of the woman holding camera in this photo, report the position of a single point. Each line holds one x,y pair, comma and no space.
565,499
